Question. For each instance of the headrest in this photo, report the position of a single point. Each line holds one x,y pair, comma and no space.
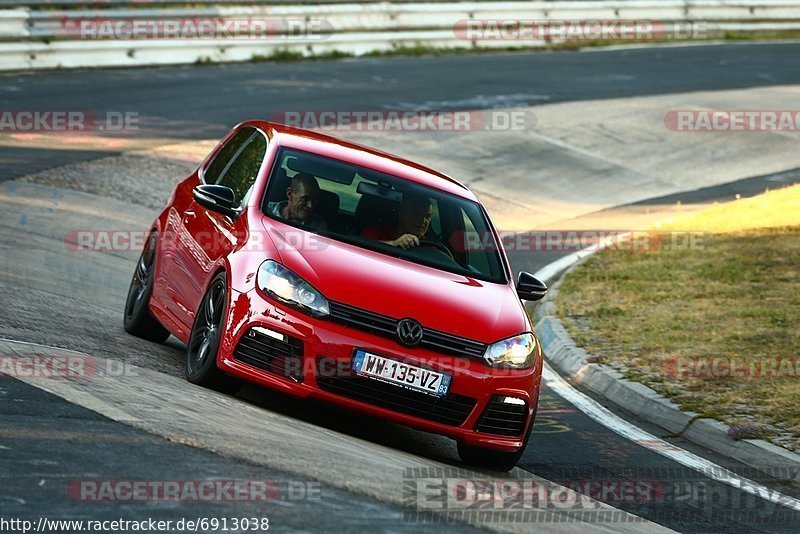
373,210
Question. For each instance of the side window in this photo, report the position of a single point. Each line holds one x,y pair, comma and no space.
241,174
224,156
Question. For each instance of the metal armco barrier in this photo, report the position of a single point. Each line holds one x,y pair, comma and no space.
44,38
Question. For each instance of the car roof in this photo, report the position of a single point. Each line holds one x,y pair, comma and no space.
329,146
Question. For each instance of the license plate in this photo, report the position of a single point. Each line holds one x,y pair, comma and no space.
400,373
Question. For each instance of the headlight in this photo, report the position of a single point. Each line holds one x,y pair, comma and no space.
282,284
516,352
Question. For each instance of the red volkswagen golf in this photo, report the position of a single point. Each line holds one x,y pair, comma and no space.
318,267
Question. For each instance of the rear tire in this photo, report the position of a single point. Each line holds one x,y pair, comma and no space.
138,320
201,355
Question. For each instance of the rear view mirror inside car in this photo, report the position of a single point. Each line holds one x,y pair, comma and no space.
322,168
366,188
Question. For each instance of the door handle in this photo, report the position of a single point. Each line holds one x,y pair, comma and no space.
188,215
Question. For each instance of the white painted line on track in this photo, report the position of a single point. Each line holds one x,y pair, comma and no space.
627,430
549,271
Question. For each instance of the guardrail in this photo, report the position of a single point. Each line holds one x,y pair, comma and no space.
46,4
52,38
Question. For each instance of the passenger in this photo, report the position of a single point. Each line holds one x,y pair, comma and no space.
414,219
300,205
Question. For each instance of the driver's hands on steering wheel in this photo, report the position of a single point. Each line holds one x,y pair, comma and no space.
409,241
405,241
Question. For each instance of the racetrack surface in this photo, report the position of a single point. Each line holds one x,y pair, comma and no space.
55,443
203,102
73,300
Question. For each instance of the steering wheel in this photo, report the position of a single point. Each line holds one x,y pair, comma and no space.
437,245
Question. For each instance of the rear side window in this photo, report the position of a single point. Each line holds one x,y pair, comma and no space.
223,158
241,173
237,164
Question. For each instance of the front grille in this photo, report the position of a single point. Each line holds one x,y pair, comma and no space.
363,319
503,419
452,409
283,358
382,325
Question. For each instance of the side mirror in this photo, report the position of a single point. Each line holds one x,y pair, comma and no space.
217,198
529,287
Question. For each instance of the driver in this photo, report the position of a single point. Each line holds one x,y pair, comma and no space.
302,197
414,219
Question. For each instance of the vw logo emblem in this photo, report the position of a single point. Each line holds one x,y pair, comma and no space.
409,332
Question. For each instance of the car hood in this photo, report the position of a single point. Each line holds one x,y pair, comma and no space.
456,304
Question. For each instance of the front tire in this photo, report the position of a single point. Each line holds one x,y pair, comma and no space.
493,459
207,331
138,320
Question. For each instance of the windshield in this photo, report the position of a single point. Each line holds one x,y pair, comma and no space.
383,213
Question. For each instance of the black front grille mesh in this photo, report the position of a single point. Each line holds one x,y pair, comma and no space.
382,325
452,409
503,419
363,319
283,358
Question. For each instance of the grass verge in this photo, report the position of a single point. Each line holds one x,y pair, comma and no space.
704,327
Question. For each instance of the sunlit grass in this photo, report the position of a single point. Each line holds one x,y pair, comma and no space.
769,210
735,296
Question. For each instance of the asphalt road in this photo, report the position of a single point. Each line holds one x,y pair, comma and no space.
198,103
58,445
204,102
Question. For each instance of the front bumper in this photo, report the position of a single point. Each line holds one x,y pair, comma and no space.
312,357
